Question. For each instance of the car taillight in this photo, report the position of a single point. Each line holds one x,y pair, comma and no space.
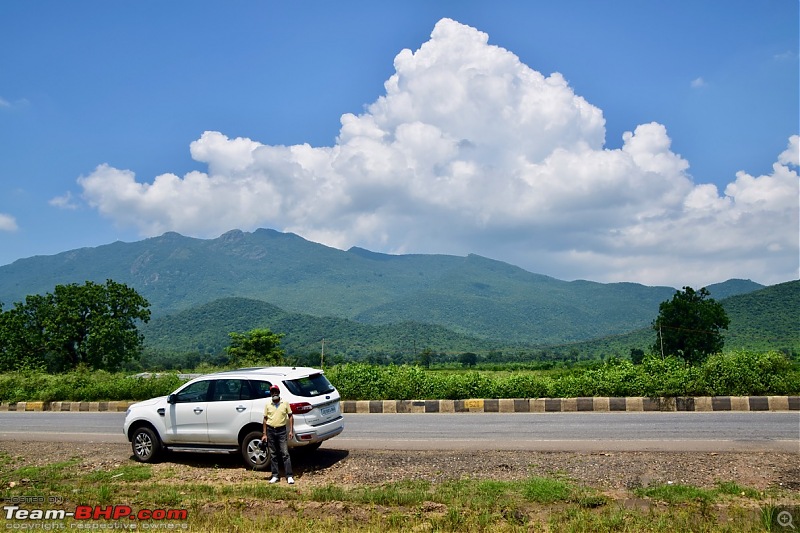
300,408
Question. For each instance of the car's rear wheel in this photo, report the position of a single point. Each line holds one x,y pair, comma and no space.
254,456
145,445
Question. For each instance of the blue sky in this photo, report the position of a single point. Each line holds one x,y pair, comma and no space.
642,141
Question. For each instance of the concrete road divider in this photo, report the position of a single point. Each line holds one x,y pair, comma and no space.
505,405
562,405
96,407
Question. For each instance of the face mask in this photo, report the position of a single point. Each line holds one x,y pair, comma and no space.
276,398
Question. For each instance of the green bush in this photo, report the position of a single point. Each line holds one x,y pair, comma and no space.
358,381
744,372
616,377
671,376
524,385
407,382
738,373
23,385
465,385
83,385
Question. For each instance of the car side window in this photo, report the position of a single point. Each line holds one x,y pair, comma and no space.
196,392
260,388
250,391
226,390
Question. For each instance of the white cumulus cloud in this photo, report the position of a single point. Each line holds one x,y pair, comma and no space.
7,223
65,201
470,150
791,156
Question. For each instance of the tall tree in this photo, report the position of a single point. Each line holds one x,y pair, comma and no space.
257,347
690,325
23,334
89,324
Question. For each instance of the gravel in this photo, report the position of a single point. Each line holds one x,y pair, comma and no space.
609,472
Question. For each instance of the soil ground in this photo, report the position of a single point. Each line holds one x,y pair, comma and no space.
615,475
608,472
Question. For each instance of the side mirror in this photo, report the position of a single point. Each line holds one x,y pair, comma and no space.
171,399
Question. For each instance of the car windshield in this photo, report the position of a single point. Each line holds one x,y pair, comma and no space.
313,385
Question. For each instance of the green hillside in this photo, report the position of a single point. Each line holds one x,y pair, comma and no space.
471,296
205,329
765,319
762,320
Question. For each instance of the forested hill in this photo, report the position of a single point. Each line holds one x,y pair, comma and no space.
761,320
765,319
204,330
472,295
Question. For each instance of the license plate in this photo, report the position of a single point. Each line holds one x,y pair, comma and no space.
328,410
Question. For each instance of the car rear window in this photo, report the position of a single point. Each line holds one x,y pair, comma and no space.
313,385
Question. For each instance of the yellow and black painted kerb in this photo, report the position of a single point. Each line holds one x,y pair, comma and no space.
566,405
505,405
89,407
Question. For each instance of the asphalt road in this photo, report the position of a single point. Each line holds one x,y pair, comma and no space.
646,431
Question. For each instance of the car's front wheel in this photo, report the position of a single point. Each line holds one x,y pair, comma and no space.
145,445
256,456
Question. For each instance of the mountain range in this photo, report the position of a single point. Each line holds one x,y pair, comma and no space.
306,290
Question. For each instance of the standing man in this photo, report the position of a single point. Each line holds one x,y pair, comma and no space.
277,416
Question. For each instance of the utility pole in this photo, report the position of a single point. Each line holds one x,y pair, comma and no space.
322,355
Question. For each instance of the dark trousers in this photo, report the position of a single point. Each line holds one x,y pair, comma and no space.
276,437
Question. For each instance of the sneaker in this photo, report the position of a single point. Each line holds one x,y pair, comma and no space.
290,480
273,480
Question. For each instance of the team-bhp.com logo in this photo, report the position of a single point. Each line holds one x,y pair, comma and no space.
140,519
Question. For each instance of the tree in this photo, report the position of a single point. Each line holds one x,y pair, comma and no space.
425,357
637,356
468,359
89,324
23,328
690,325
257,347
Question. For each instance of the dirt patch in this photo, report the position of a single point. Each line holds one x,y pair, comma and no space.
610,472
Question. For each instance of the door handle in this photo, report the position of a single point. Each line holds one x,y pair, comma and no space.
241,408
197,410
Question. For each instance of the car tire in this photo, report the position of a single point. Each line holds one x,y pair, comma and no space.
254,457
145,444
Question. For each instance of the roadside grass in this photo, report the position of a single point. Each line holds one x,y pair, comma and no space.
125,472
677,493
5,459
464,505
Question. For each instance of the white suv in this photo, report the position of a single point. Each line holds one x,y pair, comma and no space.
222,413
